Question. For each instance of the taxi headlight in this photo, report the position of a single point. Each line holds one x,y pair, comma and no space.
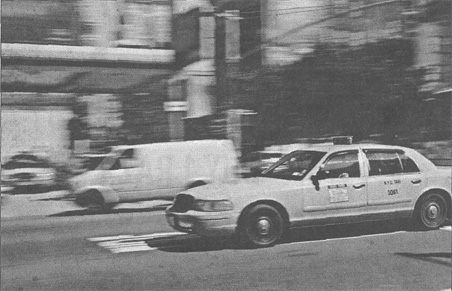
213,205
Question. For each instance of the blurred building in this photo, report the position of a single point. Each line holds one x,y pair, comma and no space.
93,71
431,29
292,28
139,71
122,23
289,31
113,71
105,23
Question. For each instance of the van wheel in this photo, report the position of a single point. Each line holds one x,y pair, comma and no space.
431,212
261,226
91,199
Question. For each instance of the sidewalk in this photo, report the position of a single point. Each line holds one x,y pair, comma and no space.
46,204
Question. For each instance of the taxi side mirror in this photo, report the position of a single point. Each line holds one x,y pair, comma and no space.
315,182
322,174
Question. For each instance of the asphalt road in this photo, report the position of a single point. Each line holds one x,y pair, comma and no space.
136,250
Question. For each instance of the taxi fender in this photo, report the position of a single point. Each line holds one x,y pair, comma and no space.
442,190
108,194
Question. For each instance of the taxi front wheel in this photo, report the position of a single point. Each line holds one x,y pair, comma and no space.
431,212
261,226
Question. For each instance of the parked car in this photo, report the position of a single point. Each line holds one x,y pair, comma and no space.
28,171
322,185
132,173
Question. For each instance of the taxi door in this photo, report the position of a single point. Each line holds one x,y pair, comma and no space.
394,182
341,193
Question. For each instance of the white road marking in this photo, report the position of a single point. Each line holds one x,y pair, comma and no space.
132,243
448,228
107,238
118,247
139,237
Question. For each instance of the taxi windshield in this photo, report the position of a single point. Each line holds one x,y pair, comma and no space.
294,166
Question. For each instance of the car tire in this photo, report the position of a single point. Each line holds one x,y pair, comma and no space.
431,212
93,200
261,226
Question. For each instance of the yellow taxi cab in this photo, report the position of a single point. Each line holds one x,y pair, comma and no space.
321,185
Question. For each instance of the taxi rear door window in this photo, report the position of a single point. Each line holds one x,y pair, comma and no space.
383,162
409,166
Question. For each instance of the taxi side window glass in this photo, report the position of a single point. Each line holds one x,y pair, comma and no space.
297,166
383,162
409,166
341,165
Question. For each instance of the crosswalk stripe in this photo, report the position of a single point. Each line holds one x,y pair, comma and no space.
131,243
107,238
133,237
449,228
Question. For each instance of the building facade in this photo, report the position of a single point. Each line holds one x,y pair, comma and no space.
93,71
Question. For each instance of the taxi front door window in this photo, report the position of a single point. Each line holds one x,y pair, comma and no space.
341,165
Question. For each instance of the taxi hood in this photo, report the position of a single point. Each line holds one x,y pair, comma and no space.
258,186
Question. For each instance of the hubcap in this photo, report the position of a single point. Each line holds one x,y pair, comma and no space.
263,226
432,212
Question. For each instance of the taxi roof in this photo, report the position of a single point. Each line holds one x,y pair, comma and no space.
333,147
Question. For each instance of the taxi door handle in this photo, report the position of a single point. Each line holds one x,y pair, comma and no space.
359,186
417,181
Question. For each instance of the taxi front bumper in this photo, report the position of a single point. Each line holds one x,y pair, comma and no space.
203,223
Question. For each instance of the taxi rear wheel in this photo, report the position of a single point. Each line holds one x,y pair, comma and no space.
261,226
431,212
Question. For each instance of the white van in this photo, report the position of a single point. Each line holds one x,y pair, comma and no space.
154,171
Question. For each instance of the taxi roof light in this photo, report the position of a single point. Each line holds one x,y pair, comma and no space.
340,140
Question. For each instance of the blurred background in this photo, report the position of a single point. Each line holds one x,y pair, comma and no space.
79,76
